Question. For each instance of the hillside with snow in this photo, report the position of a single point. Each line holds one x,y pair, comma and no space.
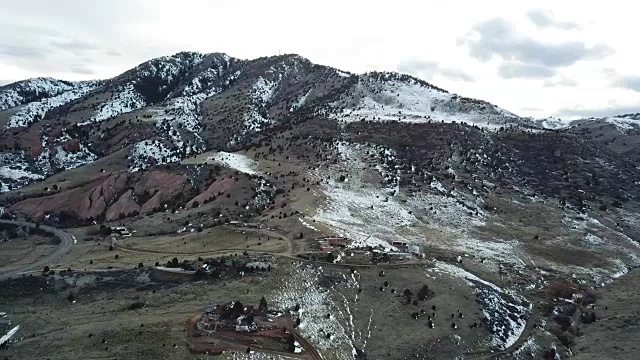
395,97
379,169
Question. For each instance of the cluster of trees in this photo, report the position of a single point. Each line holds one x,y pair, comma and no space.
421,295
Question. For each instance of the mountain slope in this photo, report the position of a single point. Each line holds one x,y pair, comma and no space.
175,107
192,141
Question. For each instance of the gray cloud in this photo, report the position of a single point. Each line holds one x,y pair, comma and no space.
428,69
631,82
75,46
456,75
514,70
59,36
112,52
18,51
78,69
414,66
5,82
561,82
544,19
599,113
496,37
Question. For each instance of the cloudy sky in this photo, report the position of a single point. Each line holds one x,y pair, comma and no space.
535,58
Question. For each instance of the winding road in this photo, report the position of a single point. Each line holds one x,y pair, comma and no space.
66,242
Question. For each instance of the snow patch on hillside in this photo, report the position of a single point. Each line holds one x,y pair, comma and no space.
256,118
35,111
182,114
592,240
21,92
505,312
300,101
302,288
493,252
623,124
454,211
255,355
239,162
150,152
69,160
125,99
263,90
358,210
409,101
553,123
169,67
16,175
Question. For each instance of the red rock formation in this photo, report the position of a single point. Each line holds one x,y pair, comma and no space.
90,200
72,146
126,205
108,195
217,187
31,141
163,185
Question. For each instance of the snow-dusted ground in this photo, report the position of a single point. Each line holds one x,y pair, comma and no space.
126,99
143,151
69,160
300,101
15,175
371,214
169,67
410,101
14,94
239,162
315,302
306,224
623,124
35,111
525,350
449,211
505,312
620,250
261,93
553,123
359,210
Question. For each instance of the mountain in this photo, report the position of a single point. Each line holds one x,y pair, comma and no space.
187,142
148,139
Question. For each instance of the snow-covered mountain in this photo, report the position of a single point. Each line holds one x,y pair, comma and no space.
26,91
27,114
175,107
390,96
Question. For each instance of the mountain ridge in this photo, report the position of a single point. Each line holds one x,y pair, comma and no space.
171,108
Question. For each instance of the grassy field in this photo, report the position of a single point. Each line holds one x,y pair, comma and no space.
25,249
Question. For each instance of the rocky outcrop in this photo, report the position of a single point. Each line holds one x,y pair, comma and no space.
72,146
216,188
164,186
107,195
100,197
125,206
87,201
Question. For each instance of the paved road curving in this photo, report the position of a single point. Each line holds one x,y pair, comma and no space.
66,242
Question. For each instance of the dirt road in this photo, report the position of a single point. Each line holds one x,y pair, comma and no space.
66,243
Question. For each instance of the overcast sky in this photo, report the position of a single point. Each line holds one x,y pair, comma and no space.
535,58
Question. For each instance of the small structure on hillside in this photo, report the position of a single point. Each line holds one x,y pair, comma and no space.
120,231
330,244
